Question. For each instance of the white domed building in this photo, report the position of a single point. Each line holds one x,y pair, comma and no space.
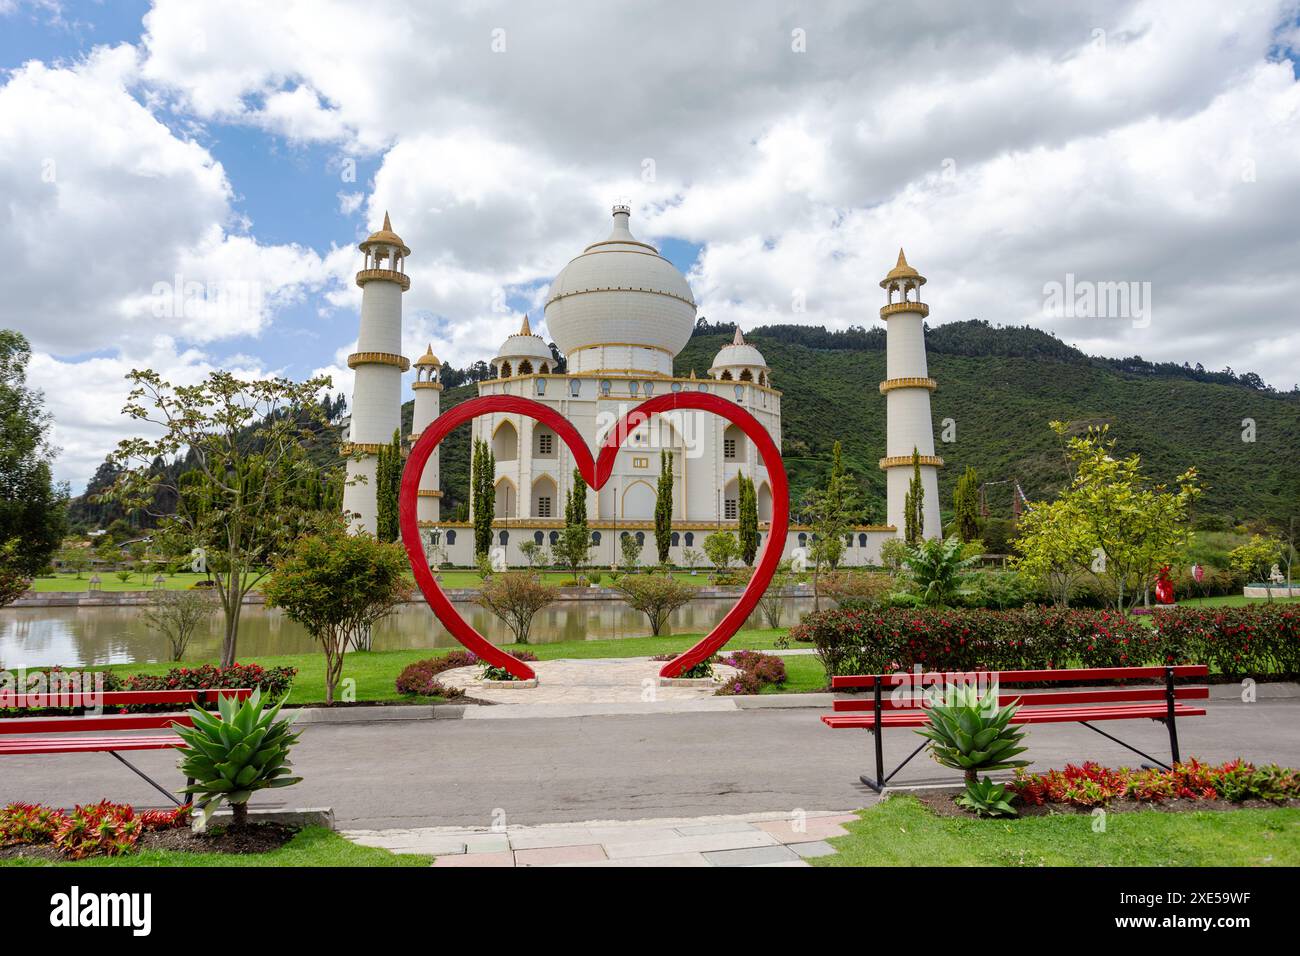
620,313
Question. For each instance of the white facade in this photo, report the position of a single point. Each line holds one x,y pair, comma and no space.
620,313
378,366
907,387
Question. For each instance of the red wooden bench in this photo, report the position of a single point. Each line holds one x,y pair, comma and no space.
899,700
30,735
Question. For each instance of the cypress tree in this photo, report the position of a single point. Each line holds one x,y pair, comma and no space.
748,530
965,505
483,468
914,504
664,506
388,483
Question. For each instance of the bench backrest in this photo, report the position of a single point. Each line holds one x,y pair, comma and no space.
908,691
119,698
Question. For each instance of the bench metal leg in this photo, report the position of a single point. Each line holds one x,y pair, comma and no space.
1140,753
144,776
881,780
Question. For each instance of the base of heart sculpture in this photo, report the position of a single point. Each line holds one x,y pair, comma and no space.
595,472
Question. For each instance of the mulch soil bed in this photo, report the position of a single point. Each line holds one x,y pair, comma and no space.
942,803
255,838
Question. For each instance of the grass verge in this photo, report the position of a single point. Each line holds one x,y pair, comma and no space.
899,831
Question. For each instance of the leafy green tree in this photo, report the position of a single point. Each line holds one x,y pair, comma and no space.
33,509
483,474
937,569
630,550
1054,551
388,485
534,553
664,507
574,545
748,529
1128,526
721,549
914,504
337,585
515,597
1256,558
655,595
13,579
246,500
965,505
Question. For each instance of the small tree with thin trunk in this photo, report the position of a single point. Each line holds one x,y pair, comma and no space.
176,615
515,597
656,596
483,483
337,585
748,524
721,549
574,544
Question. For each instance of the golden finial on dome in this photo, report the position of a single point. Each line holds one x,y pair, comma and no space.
902,270
385,236
525,329
737,339
428,358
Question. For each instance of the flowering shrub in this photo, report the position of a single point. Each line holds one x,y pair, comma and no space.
273,682
418,679
1235,641
1092,785
757,671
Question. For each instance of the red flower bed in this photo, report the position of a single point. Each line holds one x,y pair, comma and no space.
1092,785
97,829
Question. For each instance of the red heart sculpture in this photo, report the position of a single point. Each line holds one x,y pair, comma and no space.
595,473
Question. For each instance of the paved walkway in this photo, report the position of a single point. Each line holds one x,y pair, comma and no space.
472,773
756,839
597,680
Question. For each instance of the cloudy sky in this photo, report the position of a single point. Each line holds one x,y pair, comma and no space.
777,154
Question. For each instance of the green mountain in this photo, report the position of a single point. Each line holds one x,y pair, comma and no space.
1000,387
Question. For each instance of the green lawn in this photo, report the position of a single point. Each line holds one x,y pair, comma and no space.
375,671
900,831
108,582
313,846
1233,600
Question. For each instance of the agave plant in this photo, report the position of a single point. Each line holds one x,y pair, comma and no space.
236,752
971,733
987,799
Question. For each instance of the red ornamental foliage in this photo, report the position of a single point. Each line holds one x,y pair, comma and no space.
97,829
1092,785
1235,641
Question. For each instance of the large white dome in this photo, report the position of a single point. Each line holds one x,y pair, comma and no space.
620,293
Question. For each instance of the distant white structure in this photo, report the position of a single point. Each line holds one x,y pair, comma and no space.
378,366
907,389
620,313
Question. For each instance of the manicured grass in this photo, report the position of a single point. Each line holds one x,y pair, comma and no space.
375,671
108,582
313,846
900,831
804,675
1234,600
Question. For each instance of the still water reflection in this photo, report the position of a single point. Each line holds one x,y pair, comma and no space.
116,635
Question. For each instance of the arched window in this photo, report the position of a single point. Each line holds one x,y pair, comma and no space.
862,541
740,392
505,442
725,376
762,378
595,537
525,367
677,386
649,389
674,540
689,538
622,536
555,538
575,386
640,538
538,537
545,369
503,538
541,386
605,386
803,540
505,370
733,443
746,376
634,388
704,386
451,536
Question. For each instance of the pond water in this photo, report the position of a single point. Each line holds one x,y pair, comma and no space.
82,637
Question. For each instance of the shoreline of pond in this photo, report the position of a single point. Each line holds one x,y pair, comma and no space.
92,599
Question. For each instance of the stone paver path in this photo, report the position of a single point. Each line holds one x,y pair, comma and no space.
624,680
754,839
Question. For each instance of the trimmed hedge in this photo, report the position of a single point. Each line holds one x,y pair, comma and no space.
1238,642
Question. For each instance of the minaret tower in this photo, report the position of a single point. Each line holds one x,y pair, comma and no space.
378,365
907,389
428,394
